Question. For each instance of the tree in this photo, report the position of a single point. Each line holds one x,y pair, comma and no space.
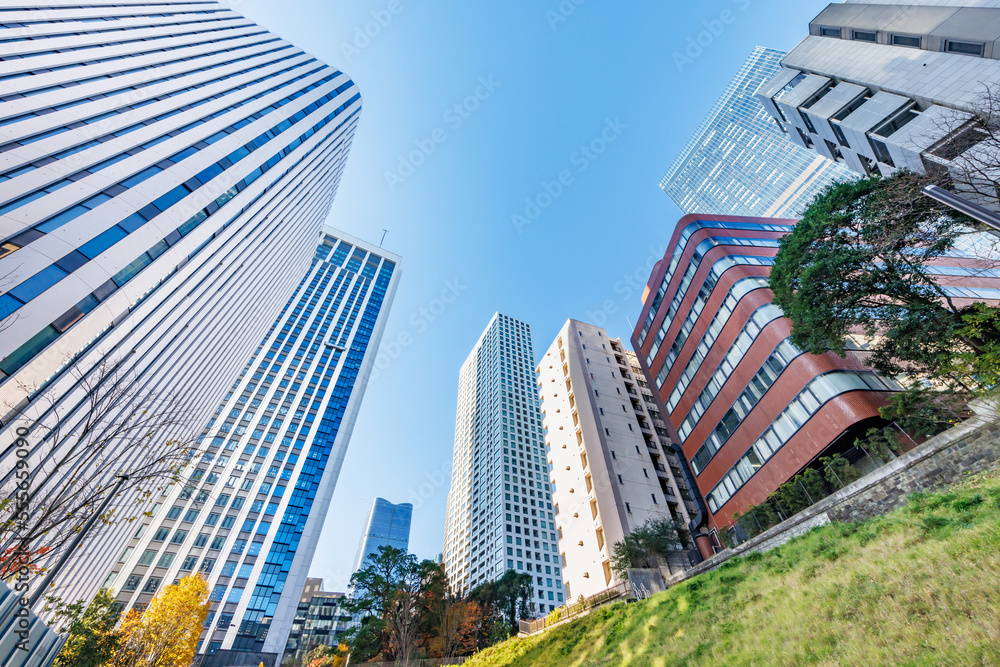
644,545
92,637
167,633
70,472
327,656
375,596
861,259
502,604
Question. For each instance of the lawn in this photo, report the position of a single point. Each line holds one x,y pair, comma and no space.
919,586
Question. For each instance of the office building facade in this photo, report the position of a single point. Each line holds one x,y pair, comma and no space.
320,620
164,173
387,525
739,163
249,516
748,408
889,86
609,454
500,515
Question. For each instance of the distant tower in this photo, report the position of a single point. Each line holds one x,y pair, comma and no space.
739,162
387,525
500,514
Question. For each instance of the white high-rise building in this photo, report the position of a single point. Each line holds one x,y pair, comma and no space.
500,514
250,512
891,85
165,170
609,450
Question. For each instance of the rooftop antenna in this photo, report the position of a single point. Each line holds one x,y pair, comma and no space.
384,233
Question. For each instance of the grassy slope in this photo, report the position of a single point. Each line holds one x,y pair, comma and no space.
920,586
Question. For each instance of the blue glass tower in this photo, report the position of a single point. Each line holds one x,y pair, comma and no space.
388,525
739,162
250,515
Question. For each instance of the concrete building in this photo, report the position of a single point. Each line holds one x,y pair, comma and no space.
738,162
748,408
885,86
166,170
500,514
386,525
250,514
320,619
609,454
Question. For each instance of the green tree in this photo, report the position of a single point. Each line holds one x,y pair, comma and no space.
860,260
375,587
504,603
658,536
92,638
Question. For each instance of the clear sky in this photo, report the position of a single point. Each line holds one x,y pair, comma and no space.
604,94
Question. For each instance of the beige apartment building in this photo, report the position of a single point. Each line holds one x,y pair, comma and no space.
608,453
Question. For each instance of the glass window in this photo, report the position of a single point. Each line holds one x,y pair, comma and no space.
864,36
906,40
147,557
965,48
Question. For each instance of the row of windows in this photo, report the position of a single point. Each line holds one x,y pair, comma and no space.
712,332
911,41
758,385
78,209
817,393
41,340
688,278
679,250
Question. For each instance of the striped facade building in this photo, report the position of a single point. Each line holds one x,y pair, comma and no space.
749,409
165,170
250,514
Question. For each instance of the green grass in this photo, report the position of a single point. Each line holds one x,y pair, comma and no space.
919,586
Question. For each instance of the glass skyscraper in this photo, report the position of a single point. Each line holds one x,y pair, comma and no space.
250,513
165,170
500,514
739,162
387,525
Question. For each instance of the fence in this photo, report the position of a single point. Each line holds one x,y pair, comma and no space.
613,594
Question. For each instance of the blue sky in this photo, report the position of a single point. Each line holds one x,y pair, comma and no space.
512,150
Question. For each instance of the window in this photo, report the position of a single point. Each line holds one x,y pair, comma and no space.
189,563
965,48
864,36
179,537
161,534
825,31
913,41
174,512
147,557
201,540
166,560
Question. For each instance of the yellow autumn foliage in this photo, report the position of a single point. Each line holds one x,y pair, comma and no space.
166,634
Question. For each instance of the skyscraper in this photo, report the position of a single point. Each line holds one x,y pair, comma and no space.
251,512
166,169
892,85
387,525
609,452
738,162
500,514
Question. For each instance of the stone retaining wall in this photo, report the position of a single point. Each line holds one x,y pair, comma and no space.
966,449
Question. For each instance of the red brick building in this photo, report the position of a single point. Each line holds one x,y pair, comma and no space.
748,409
